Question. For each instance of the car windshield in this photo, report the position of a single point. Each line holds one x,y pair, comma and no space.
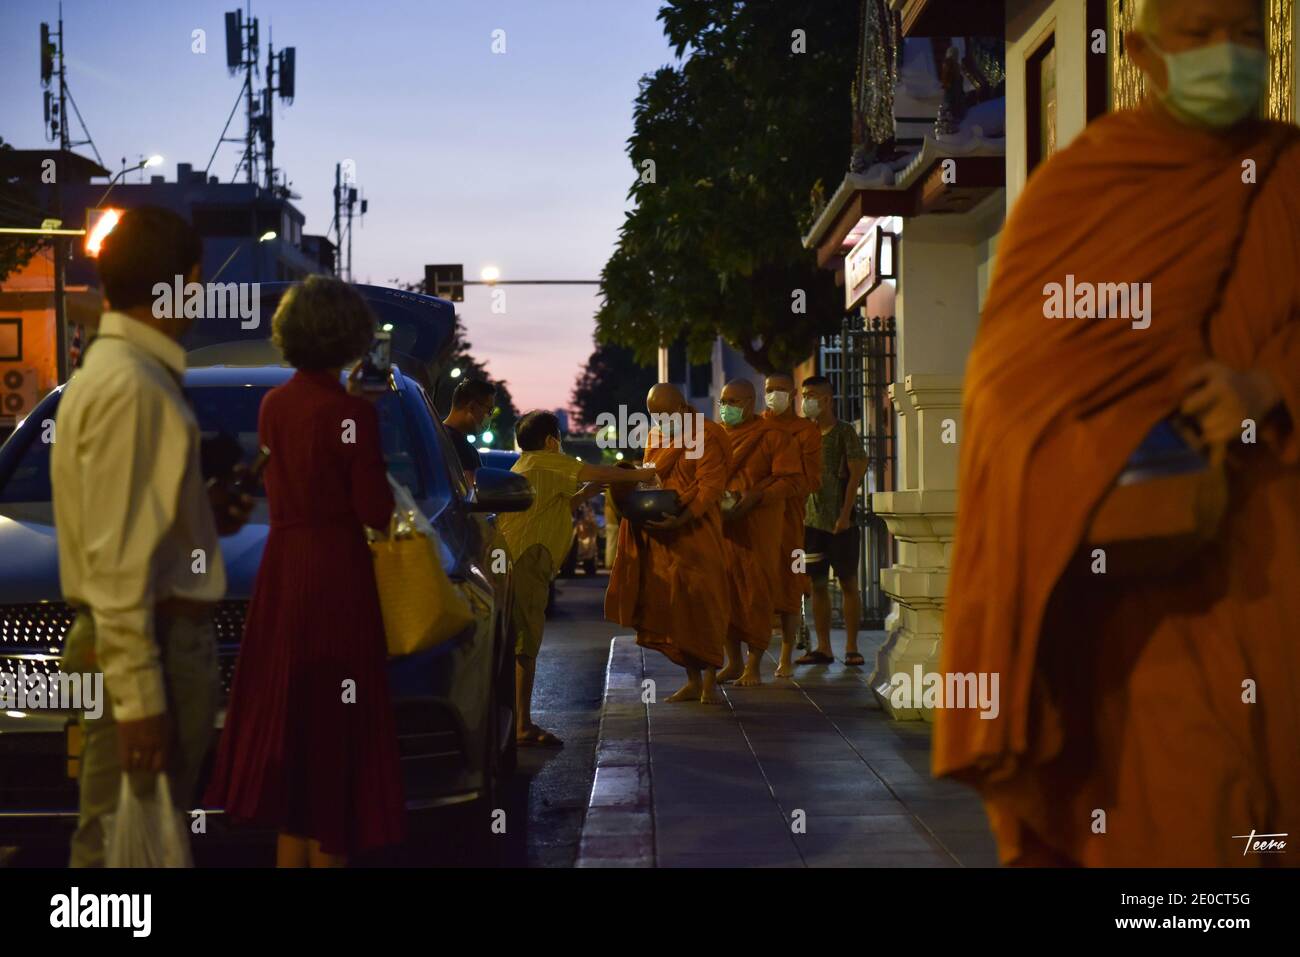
219,409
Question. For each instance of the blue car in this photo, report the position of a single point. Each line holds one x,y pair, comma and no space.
454,705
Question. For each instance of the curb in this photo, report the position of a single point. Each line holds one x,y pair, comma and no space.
618,829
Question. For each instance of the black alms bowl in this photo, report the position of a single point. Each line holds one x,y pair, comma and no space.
649,504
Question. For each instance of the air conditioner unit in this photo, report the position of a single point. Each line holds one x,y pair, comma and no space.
19,392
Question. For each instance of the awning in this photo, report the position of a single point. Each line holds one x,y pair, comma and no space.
926,184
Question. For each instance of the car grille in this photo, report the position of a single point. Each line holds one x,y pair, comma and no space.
37,628
33,633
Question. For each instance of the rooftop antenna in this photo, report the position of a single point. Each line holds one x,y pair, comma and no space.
56,104
346,198
282,64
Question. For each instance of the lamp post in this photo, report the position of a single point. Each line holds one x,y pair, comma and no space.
266,237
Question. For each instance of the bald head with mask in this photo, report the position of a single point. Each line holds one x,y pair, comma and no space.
1205,60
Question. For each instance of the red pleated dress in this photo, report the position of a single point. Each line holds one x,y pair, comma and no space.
309,745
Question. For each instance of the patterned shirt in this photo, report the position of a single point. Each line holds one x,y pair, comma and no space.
839,445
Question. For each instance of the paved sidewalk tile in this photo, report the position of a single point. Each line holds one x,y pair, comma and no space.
808,772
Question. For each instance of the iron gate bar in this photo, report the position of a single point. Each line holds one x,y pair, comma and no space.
860,363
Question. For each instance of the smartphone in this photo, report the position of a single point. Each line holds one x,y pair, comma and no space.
247,483
377,366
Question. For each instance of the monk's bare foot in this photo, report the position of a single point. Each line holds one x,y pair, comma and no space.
752,678
711,696
689,692
731,672
709,688
784,670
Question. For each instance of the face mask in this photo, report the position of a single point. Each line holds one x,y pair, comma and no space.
811,408
1215,86
778,402
731,414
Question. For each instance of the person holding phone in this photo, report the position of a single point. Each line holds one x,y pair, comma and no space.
310,745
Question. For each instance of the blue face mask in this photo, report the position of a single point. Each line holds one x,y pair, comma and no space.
1215,86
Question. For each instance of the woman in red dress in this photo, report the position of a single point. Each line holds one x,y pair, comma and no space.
309,745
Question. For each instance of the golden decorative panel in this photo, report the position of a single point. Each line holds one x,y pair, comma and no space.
1281,51
1126,81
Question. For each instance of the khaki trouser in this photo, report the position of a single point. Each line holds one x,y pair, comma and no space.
531,584
187,647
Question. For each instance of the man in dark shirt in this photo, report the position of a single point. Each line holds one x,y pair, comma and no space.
471,406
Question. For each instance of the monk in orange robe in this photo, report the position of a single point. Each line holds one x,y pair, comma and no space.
806,438
766,471
669,579
1143,721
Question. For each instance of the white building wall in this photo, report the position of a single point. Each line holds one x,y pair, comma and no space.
1028,23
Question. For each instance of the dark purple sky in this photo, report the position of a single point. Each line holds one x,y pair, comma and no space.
513,159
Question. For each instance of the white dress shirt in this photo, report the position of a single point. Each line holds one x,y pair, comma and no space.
131,511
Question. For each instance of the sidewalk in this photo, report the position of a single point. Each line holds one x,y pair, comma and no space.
691,785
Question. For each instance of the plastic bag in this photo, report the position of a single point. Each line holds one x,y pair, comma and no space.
146,831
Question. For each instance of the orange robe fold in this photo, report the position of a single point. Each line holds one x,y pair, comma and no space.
806,439
764,464
672,586
1126,695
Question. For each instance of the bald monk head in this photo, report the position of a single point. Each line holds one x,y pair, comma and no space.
664,398
780,393
1221,33
736,404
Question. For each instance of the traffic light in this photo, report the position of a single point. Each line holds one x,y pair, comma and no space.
445,281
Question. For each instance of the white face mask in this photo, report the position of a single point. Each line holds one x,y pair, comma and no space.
778,402
1215,86
811,408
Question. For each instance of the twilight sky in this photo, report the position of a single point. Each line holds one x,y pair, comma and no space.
513,159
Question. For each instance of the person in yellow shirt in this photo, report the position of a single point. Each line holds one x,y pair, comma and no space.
538,539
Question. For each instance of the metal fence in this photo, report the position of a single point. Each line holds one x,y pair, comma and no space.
859,361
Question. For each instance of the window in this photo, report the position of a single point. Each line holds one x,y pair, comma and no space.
1040,101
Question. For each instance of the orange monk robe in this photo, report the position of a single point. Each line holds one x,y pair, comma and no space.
672,586
766,464
806,439
1123,695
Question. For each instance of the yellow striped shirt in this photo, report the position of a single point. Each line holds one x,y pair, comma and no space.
549,520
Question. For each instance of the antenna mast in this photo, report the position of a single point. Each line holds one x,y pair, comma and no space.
56,113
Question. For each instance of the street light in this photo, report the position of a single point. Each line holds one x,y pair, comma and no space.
455,373
490,274
154,160
99,223
266,237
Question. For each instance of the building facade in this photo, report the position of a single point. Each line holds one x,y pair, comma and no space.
965,138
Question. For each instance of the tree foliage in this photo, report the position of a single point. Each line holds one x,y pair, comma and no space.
611,378
741,130
18,207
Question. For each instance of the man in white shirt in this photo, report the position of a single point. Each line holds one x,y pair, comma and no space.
139,555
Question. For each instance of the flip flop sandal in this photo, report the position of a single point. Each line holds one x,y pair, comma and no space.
815,658
854,660
539,739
